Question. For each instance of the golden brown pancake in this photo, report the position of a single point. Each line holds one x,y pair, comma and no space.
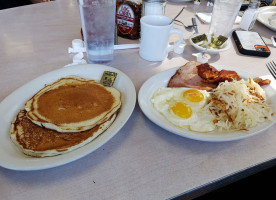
73,104
36,141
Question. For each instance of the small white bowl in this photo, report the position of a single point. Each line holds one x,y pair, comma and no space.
224,47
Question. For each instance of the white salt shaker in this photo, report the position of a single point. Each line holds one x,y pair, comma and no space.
153,7
250,15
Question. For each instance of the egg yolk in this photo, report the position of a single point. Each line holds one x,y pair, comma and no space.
182,110
193,95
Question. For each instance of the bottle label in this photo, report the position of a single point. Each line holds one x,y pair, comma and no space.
125,19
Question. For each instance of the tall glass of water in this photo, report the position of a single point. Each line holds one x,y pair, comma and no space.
224,16
98,26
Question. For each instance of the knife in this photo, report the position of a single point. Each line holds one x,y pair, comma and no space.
194,25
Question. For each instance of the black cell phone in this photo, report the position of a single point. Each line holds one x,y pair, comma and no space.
250,43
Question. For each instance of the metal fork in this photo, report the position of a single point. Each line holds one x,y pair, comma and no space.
272,68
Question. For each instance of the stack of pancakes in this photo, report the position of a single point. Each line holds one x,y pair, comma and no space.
64,116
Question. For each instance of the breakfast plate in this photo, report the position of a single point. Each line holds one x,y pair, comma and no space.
265,13
12,158
161,80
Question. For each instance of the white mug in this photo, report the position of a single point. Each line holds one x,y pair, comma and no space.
155,34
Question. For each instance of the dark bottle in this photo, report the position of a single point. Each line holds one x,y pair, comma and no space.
128,14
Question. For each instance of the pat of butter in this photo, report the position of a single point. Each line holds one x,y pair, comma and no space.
108,78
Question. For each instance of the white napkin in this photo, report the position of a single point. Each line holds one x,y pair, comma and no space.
206,18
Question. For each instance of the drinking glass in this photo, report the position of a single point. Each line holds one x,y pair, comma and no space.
98,26
224,16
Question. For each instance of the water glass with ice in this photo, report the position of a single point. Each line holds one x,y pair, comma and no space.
223,16
98,26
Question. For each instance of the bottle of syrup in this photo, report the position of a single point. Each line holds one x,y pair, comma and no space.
128,14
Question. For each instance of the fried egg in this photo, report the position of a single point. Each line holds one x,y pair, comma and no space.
183,107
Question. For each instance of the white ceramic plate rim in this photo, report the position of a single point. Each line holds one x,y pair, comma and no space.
12,158
161,80
264,14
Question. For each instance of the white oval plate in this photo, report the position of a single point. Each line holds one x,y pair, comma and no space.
161,80
264,14
12,158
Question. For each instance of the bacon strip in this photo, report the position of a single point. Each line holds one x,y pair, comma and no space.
262,82
206,72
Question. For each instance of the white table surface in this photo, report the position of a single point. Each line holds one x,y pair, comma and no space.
143,161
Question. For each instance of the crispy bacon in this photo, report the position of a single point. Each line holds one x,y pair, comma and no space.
206,72
211,75
262,82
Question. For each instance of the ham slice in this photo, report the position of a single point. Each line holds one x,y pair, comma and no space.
187,76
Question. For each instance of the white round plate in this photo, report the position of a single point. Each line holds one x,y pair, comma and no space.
264,14
225,46
12,158
161,80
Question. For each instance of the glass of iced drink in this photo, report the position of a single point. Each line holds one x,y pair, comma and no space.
224,16
98,26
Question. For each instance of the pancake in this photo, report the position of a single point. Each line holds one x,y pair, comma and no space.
36,141
73,104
